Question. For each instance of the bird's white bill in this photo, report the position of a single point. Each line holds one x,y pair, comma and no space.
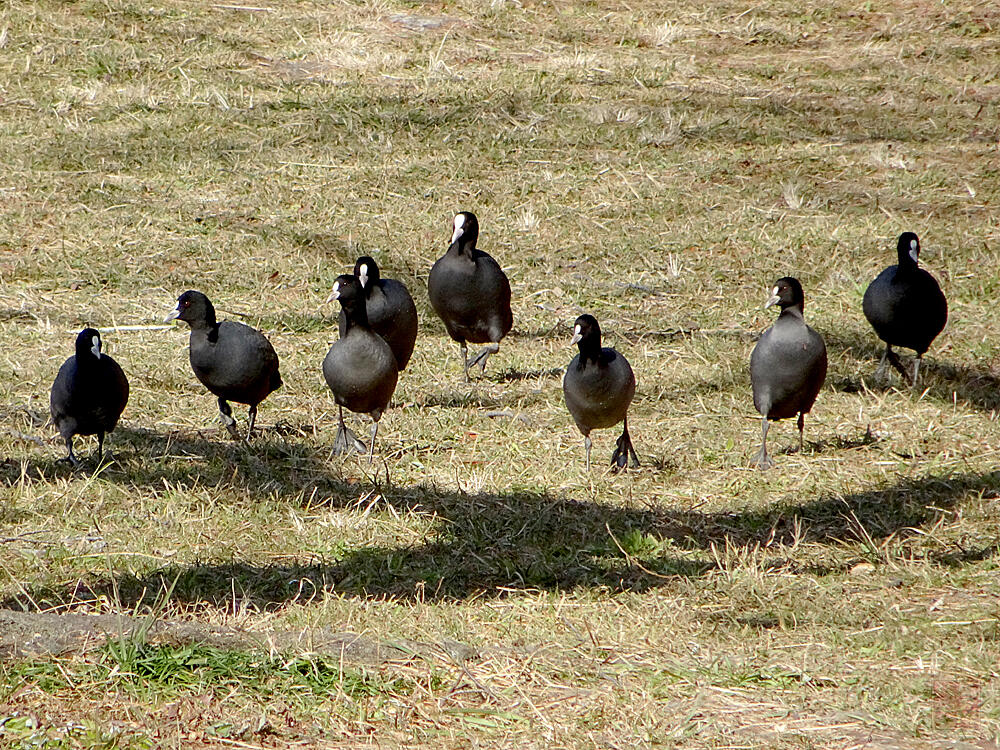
172,315
913,254
335,294
459,227
773,299
576,336
95,347
363,275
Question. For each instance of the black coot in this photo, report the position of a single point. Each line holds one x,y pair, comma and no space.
234,361
471,293
788,365
360,368
599,386
905,306
89,393
391,312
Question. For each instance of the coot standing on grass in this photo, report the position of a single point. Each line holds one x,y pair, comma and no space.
360,368
788,364
470,293
234,361
89,394
391,312
598,387
905,306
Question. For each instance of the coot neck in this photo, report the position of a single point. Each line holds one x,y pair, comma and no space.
590,349
356,313
793,312
86,361
206,322
463,247
906,264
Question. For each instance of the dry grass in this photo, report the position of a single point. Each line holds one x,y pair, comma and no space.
658,166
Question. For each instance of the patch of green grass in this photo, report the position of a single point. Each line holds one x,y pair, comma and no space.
159,672
27,733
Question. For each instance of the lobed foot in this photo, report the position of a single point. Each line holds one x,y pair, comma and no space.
762,461
347,442
624,456
481,358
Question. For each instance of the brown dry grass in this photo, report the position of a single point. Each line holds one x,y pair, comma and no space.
657,165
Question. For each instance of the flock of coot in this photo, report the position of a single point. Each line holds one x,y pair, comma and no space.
471,294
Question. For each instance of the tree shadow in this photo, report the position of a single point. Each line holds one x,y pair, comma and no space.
487,544
977,386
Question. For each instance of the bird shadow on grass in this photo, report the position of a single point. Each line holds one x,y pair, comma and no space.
482,544
460,400
512,374
977,386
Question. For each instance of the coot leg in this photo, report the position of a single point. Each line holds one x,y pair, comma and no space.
227,418
634,462
802,425
883,366
587,442
70,457
896,362
252,415
624,455
464,353
346,441
371,447
484,354
100,449
762,460
916,369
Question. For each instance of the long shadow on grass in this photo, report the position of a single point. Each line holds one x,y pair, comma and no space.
977,386
488,544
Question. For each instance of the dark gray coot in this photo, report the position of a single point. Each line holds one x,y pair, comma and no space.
598,387
234,361
470,293
360,368
787,366
391,312
89,393
905,306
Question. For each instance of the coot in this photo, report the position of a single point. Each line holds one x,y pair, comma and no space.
905,306
471,293
599,386
391,312
234,361
787,366
360,368
89,393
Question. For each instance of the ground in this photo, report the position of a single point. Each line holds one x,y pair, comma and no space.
658,165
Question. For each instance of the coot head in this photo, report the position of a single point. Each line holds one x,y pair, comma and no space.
586,327
193,307
466,229
346,289
88,344
908,249
787,292
366,270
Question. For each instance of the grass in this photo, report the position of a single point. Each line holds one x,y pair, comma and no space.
656,165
